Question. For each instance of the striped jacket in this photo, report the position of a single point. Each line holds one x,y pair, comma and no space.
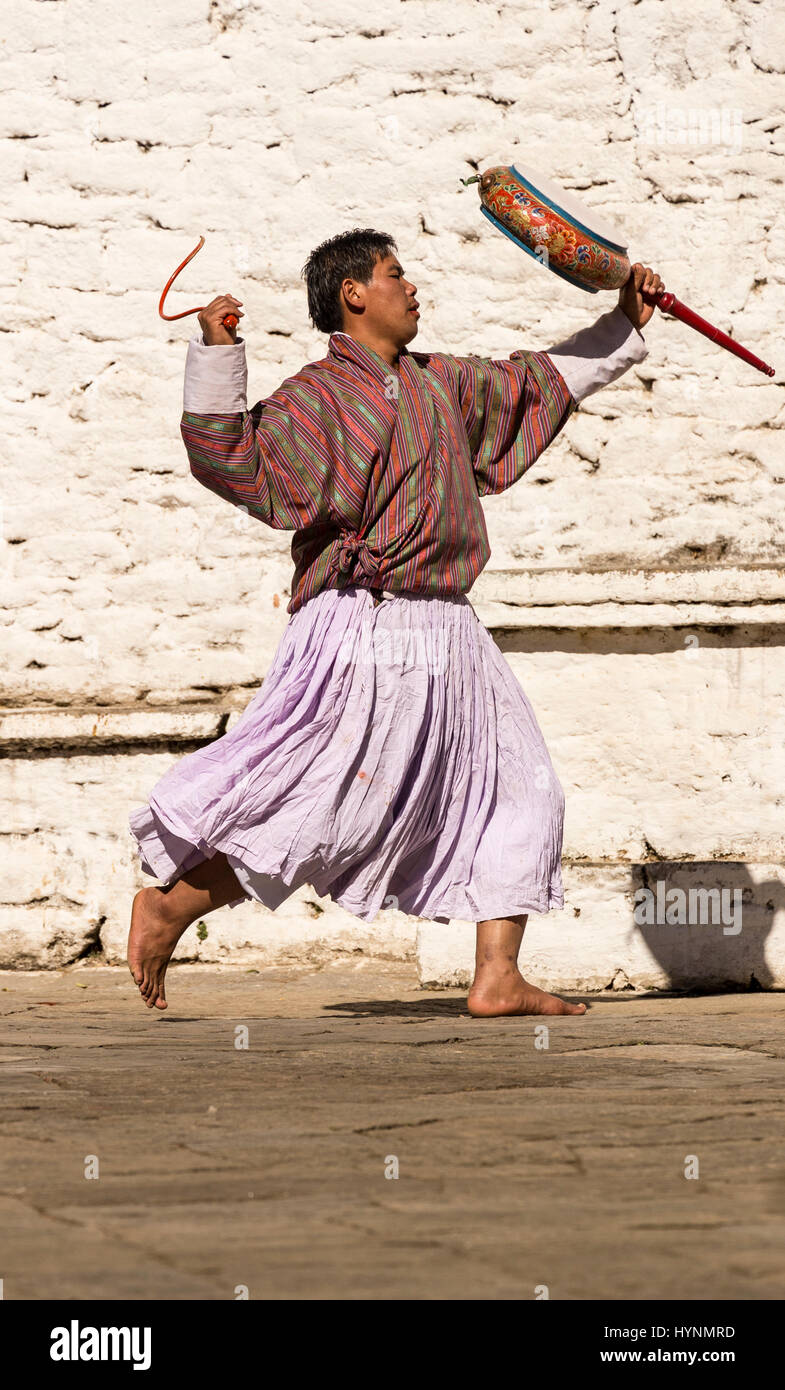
379,473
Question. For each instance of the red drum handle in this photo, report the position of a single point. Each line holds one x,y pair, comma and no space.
228,321
668,304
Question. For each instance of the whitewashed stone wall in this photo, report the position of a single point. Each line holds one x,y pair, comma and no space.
636,581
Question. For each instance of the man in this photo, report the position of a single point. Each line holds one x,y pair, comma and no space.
415,777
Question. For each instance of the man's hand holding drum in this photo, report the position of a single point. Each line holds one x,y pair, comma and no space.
643,280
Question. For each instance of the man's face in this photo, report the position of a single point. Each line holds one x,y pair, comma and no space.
387,305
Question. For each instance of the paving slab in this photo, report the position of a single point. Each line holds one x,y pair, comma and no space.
249,1137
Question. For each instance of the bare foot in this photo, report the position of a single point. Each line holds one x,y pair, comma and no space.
511,994
151,940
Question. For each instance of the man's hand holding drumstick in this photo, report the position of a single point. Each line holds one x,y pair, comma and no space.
216,334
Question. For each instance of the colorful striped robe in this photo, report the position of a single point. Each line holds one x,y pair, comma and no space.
380,472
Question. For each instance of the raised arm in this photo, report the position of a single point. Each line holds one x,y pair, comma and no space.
275,460
595,356
513,409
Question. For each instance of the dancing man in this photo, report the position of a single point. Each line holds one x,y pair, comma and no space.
391,758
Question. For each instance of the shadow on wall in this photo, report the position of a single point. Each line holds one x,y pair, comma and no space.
706,923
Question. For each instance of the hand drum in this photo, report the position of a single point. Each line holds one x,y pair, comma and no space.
577,244
556,228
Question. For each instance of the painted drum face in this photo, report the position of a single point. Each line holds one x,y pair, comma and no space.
557,238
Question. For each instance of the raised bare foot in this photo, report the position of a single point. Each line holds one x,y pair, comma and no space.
511,994
151,941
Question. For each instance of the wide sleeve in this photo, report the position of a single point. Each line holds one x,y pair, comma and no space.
512,409
275,461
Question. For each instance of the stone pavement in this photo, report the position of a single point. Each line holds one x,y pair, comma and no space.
264,1167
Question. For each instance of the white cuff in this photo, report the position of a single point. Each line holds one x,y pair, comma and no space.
216,378
597,355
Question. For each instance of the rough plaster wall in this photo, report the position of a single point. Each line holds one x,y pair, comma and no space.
266,128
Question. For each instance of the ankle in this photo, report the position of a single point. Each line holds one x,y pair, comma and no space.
166,911
490,978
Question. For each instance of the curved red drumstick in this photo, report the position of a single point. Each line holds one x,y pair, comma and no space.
228,321
668,304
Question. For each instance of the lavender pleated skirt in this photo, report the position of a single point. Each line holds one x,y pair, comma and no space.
391,759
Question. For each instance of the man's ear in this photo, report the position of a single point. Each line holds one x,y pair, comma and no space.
353,295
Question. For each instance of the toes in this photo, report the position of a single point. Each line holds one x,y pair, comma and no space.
149,985
156,996
151,988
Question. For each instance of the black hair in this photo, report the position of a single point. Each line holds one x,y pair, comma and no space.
351,254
